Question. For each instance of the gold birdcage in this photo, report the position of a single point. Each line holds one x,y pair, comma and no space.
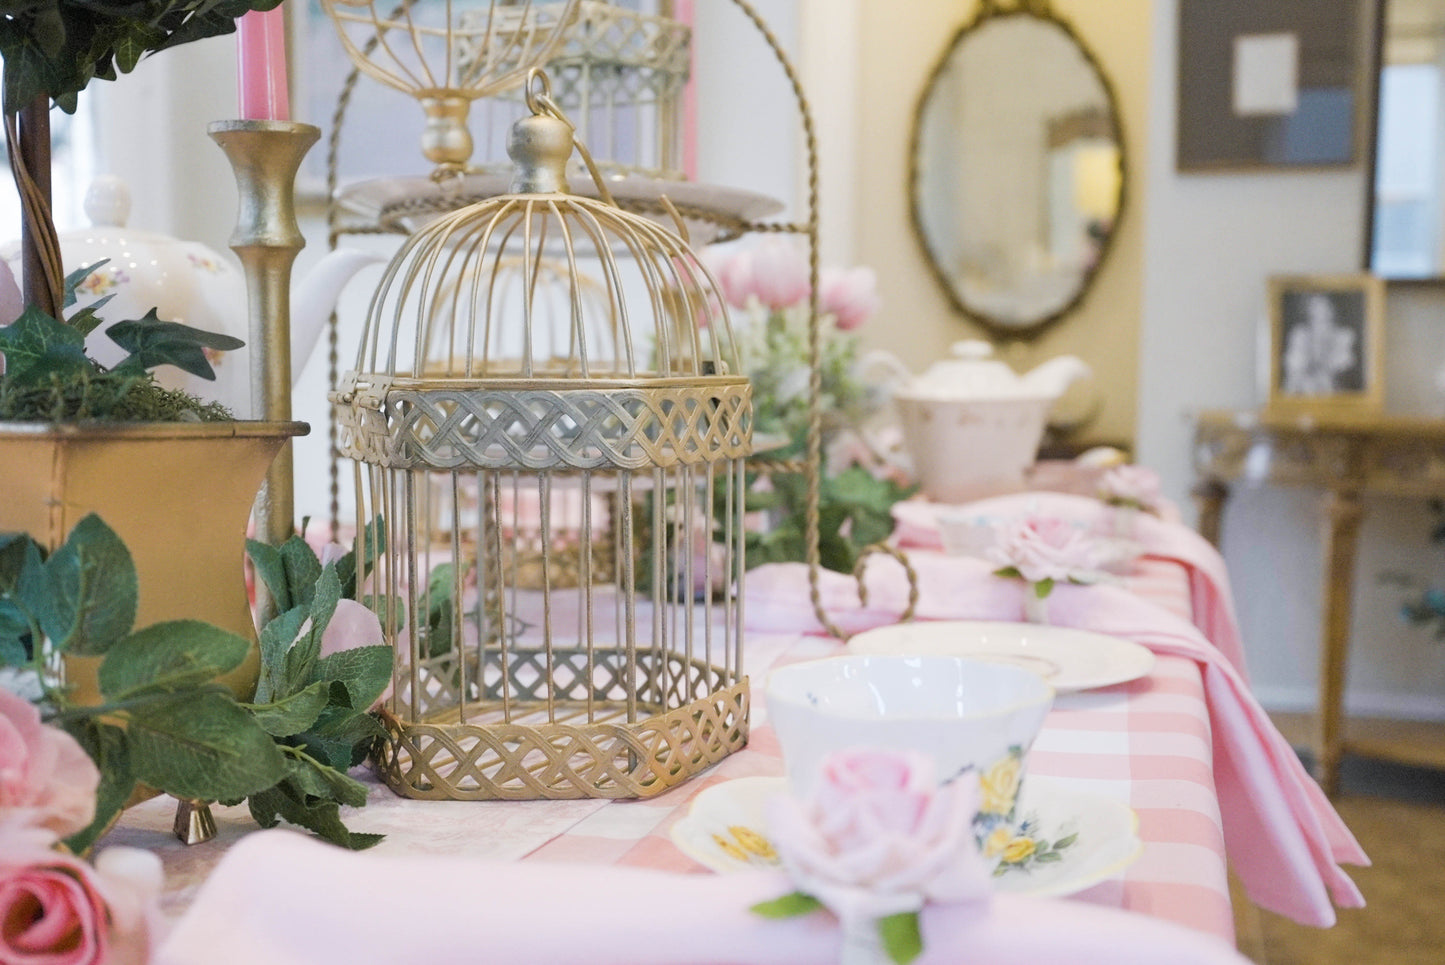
464,407
619,72
447,55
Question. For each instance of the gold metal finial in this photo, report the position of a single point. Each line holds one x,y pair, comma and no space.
445,140
540,143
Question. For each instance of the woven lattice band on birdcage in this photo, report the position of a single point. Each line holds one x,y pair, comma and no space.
629,428
542,759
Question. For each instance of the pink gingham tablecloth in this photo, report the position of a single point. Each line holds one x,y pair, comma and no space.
1145,743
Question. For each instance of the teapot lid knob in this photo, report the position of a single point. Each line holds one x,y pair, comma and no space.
973,349
107,202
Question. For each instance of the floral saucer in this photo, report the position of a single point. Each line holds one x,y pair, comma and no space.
1066,840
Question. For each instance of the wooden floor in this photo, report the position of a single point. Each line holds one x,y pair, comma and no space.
1398,814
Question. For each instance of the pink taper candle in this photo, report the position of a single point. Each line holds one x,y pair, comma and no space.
261,62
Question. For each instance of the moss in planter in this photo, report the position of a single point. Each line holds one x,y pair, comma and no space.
104,395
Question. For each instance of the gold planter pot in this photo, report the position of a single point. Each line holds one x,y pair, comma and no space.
178,494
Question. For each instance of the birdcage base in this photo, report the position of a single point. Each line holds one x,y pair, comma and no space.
543,757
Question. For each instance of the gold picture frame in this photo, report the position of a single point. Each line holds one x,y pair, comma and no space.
1326,344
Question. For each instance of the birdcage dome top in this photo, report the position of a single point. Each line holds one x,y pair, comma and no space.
536,302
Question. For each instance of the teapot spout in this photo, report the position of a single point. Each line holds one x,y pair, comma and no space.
313,300
1053,377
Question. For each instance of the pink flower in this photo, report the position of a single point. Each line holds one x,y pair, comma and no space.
849,295
46,779
779,273
879,837
55,910
352,625
732,269
1045,548
1136,486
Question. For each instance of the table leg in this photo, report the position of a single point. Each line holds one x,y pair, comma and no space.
1344,510
1209,496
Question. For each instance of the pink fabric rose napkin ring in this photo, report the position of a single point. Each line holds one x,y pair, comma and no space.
875,840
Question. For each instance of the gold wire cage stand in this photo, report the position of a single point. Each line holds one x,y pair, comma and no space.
619,688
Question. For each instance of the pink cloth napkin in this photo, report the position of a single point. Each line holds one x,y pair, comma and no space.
1283,837
1210,596
283,899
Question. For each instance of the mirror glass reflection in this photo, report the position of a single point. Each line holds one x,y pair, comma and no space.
1408,232
1017,170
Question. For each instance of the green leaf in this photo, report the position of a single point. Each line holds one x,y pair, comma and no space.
15,550
363,671
318,781
790,905
153,342
202,745
1065,842
92,590
271,570
76,278
302,570
277,636
321,818
12,649
341,737
1043,588
902,940
370,540
383,607
292,715
88,319
1048,857
171,656
107,747
37,346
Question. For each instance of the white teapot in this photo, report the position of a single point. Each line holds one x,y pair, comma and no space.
971,425
186,282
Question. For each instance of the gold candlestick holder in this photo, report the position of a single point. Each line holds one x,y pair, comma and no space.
265,156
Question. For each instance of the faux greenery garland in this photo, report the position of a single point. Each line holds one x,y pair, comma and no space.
164,721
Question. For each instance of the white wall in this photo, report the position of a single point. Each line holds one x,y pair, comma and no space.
1212,240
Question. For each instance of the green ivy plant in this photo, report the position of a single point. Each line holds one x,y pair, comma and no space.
854,512
164,721
49,377
56,47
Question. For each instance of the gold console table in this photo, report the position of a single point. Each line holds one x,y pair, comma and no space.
1347,456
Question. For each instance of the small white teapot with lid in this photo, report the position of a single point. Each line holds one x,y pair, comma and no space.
971,424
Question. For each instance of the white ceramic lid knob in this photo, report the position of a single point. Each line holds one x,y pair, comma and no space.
107,202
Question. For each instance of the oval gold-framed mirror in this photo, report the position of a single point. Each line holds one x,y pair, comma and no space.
1017,168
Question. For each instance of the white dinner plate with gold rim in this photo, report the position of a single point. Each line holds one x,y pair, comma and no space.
1065,840
1069,659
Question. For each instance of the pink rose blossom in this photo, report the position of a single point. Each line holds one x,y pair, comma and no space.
46,779
878,836
56,910
775,273
1044,548
732,269
353,625
849,295
1136,486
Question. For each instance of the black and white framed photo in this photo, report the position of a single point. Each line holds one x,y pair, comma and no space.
1325,338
